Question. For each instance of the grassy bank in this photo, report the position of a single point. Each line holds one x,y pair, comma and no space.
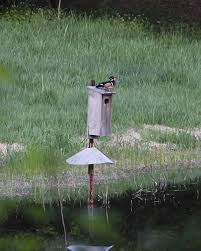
51,61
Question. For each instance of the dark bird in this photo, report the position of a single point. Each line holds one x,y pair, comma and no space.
107,85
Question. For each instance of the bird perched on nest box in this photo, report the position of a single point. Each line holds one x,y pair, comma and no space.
107,85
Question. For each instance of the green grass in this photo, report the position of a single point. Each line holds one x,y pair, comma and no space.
51,61
148,181
181,139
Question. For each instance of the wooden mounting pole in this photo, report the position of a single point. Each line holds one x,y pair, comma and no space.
91,168
91,179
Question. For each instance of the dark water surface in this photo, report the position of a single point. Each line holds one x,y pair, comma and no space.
168,220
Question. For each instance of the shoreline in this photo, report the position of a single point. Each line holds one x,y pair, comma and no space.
73,183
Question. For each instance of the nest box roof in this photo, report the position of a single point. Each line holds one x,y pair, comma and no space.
99,90
89,156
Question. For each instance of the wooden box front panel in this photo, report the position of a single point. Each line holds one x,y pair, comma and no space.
106,114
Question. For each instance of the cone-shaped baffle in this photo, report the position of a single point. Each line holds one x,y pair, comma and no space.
89,156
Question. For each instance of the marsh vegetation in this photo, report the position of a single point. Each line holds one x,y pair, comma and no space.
141,221
43,98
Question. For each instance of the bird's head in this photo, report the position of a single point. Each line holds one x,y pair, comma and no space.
113,78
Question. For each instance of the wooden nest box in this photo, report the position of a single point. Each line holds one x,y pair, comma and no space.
99,112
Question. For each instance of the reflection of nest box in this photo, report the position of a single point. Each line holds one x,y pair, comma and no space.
99,112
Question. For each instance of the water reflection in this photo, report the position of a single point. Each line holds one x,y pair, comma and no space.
146,226
88,248
21,242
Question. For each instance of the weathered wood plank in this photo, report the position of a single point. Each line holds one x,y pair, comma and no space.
94,113
99,112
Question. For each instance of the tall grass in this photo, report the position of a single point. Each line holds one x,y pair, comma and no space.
181,139
51,62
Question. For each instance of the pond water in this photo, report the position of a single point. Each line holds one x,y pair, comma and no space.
141,221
